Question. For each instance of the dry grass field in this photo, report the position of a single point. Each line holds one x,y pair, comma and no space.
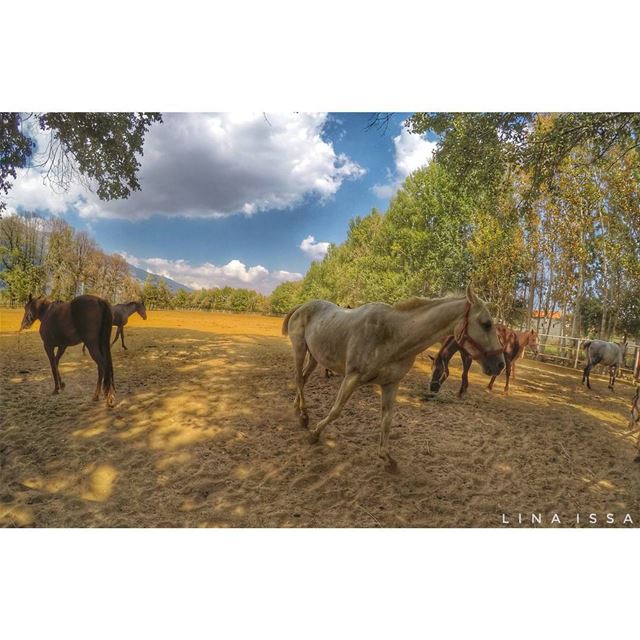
203,434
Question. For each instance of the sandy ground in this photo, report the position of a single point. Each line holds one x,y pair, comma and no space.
203,434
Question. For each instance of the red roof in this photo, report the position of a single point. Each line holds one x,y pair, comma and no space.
538,313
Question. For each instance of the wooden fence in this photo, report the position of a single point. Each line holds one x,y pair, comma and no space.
568,350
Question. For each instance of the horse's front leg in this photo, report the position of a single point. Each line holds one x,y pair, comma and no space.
122,338
507,373
466,365
348,386
387,404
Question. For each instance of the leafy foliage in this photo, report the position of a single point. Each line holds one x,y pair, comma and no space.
103,149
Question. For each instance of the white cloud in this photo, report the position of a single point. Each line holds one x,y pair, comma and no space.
214,165
207,275
412,151
315,250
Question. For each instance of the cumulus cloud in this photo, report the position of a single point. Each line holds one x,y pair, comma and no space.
411,151
315,250
208,276
214,165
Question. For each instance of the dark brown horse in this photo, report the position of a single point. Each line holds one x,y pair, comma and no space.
121,313
64,324
513,344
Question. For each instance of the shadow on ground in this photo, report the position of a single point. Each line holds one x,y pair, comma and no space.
203,435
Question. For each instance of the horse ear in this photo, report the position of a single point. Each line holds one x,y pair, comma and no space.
533,332
471,296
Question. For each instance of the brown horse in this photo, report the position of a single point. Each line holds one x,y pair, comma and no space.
513,344
121,313
64,324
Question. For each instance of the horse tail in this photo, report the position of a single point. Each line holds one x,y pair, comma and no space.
104,344
586,344
285,322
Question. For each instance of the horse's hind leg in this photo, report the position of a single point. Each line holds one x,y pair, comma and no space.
387,404
613,372
61,351
122,338
116,337
299,354
348,386
54,368
95,353
585,376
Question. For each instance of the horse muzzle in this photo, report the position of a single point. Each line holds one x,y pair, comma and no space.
493,365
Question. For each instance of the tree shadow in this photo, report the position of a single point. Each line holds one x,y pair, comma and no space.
203,434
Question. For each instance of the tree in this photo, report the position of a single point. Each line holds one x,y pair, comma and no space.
482,149
102,149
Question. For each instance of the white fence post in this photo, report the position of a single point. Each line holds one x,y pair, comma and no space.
575,364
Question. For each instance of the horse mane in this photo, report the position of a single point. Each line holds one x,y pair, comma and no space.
416,302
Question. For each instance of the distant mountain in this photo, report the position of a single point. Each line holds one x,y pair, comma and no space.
141,275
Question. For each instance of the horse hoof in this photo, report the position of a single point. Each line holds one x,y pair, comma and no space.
313,438
96,398
62,385
304,420
55,392
637,458
110,402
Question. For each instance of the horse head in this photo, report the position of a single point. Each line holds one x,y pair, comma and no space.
141,309
476,332
32,311
533,341
439,373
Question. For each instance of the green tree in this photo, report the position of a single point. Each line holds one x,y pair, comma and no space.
100,147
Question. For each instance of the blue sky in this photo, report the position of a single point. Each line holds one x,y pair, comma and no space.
234,198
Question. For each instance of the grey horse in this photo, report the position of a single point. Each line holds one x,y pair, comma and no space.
605,353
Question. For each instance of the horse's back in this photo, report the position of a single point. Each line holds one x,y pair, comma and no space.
608,353
88,312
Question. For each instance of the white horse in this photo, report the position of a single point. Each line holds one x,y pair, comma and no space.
378,343
607,354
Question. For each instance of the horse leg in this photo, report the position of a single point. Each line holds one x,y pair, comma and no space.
84,348
61,350
117,335
95,353
585,376
348,386
613,371
490,386
54,371
299,355
507,373
122,338
309,368
466,365
387,403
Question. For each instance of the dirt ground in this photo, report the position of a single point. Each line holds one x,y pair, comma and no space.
203,434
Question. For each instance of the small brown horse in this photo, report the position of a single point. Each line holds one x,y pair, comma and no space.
121,313
64,324
513,344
